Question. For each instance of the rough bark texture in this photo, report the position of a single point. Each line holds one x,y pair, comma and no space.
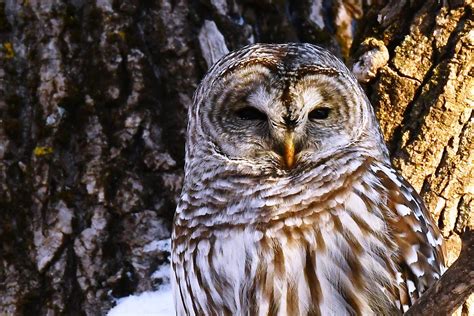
93,99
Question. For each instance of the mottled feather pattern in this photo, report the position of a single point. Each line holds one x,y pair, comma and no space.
338,233
416,234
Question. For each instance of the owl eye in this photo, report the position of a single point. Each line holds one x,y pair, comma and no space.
319,114
249,113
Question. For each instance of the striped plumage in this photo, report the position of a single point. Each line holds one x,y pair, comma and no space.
290,205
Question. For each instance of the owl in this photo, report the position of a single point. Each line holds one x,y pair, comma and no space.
290,205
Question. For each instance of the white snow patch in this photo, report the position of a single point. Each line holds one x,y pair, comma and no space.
159,303
156,303
162,273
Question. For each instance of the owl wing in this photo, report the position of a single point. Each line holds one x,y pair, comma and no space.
420,244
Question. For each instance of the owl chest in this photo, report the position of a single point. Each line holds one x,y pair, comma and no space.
290,271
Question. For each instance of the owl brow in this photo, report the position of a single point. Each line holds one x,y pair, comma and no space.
304,71
269,63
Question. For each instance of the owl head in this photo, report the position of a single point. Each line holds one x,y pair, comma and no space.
277,108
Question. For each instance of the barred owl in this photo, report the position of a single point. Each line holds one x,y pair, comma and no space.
290,205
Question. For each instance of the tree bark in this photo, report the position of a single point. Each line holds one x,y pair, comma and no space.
93,102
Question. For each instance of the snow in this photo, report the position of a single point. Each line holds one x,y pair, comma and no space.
153,303
163,273
159,303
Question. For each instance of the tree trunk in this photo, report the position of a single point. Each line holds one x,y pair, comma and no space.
93,102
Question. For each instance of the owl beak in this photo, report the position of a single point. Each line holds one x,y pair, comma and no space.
289,149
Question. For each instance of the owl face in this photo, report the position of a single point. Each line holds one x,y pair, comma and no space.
280,112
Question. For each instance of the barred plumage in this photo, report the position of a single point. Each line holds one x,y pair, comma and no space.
290,205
